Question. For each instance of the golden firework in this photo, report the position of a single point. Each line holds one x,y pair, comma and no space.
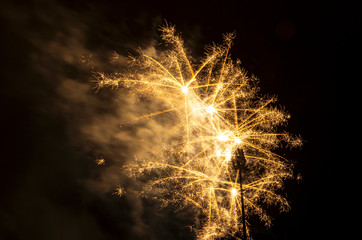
215,108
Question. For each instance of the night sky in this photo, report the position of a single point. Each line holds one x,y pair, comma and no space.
54,124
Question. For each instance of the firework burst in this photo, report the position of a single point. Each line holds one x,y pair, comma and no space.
213,105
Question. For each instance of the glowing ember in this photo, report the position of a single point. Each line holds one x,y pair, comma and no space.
100,161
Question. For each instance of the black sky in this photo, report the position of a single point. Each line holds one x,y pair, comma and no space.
294,47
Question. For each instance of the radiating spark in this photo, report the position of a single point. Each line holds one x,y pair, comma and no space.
119,191
216,111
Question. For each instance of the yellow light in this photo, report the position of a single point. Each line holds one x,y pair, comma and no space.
210,109
222,137
228,156
184,89
234,192
218,153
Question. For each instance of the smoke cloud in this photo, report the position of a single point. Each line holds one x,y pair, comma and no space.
68,194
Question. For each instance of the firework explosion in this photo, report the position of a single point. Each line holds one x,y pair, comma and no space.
213,106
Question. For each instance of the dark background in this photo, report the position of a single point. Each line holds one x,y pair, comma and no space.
296,48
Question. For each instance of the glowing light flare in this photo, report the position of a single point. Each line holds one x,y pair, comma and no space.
222,137
218,153
184,89
228,156
211,109
234,192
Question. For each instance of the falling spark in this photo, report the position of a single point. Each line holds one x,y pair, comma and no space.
120,191
216,109
100,161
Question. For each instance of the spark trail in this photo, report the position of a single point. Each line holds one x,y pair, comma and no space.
217,111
